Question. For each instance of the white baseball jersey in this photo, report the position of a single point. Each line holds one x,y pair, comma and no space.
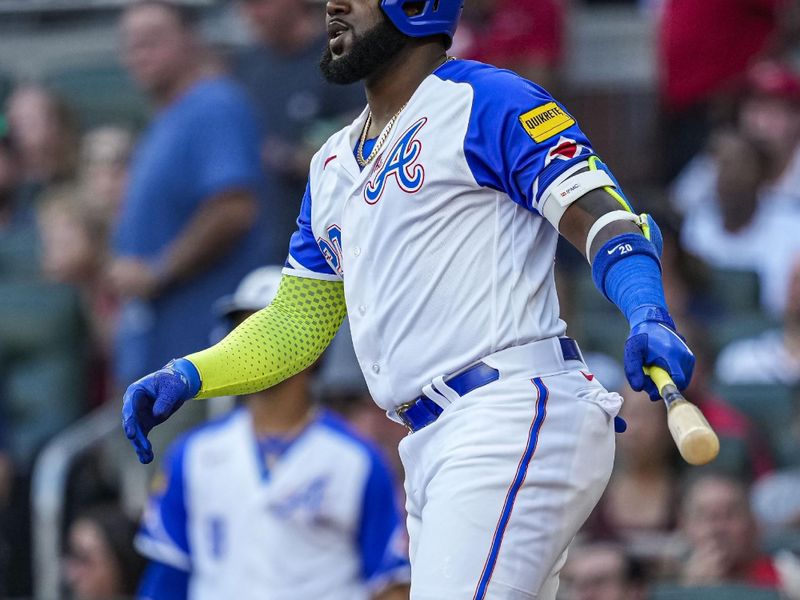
440,243
319,522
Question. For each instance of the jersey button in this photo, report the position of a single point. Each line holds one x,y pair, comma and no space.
376,368
357,251
362,309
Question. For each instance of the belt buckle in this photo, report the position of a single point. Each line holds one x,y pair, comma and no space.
400,411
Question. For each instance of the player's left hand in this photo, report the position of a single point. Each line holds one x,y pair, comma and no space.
153,399
654,341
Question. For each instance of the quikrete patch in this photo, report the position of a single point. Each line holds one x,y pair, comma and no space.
544,122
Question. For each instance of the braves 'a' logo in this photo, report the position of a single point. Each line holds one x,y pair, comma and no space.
401,163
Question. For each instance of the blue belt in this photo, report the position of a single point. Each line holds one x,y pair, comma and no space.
423,411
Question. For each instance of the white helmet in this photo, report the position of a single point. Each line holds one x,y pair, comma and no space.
255,292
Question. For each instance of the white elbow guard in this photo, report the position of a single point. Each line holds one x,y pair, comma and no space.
568,188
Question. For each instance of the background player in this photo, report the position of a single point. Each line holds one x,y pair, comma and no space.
442,203
276,500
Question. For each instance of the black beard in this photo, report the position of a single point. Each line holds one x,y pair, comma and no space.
369,53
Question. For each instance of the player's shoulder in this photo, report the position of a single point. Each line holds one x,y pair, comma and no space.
492,84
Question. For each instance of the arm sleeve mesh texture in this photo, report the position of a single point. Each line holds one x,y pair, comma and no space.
275,343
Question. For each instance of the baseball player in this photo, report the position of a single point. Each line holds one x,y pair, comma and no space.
432,221
277,500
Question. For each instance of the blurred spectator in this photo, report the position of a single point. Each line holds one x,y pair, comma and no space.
105,153
769,118
312,517
772,357
724,229
299,108
192,223
704,48
728,227
72,249
101,563
770,115
723,539
42,344
45,132
601,571
525,36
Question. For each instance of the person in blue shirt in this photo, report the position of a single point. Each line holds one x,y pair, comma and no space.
193,216
279,499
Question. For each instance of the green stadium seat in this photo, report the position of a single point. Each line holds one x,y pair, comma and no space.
101,94
772,409
736,291
723,592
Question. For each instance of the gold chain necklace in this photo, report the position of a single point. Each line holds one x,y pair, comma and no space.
363,162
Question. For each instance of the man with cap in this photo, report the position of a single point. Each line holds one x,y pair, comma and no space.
278,499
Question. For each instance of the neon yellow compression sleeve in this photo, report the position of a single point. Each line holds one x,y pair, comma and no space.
276,342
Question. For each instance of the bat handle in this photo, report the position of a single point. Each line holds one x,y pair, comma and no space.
666,387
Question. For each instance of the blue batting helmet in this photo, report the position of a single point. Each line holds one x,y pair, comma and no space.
437,17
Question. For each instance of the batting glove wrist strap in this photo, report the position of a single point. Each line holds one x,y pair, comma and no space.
186,370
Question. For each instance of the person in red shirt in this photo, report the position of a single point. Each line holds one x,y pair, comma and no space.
718,524
704,50
525,36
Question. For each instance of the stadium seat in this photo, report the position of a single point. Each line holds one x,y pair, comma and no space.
736,291
101,94
772,409
723,592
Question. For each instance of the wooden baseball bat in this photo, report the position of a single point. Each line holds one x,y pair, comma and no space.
696,441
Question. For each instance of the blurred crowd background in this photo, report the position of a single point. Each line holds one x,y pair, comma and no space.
122,222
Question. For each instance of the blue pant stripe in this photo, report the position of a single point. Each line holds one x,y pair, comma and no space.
519,479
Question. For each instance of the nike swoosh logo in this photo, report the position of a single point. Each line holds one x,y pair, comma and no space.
614,249
589,376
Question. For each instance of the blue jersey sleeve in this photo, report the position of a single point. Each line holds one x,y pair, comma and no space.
381,539
309,257
163,536
226,146
519,138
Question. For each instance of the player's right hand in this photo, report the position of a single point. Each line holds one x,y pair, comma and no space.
153,399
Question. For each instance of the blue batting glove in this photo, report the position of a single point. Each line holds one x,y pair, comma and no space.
655,342
153,399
